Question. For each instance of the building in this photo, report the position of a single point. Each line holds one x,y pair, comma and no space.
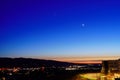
110,66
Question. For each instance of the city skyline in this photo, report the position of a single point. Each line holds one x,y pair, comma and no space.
65,28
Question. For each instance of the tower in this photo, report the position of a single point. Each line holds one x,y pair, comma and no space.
105,67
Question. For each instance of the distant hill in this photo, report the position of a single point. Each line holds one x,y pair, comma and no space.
29,62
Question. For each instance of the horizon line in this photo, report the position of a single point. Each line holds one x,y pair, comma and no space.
81,60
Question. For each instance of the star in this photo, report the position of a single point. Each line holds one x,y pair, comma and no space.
83,25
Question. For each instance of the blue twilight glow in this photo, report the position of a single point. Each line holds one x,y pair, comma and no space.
59,28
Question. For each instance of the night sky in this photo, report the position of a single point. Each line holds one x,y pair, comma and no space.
59,28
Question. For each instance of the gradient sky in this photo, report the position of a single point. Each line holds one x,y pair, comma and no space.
59,28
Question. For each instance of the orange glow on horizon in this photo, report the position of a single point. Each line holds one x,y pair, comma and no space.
82,60
87,62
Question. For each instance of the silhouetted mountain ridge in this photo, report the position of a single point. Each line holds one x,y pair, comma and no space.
30,62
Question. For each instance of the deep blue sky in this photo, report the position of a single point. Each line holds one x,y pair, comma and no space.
33,28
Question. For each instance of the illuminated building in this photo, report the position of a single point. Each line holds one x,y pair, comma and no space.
110,66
